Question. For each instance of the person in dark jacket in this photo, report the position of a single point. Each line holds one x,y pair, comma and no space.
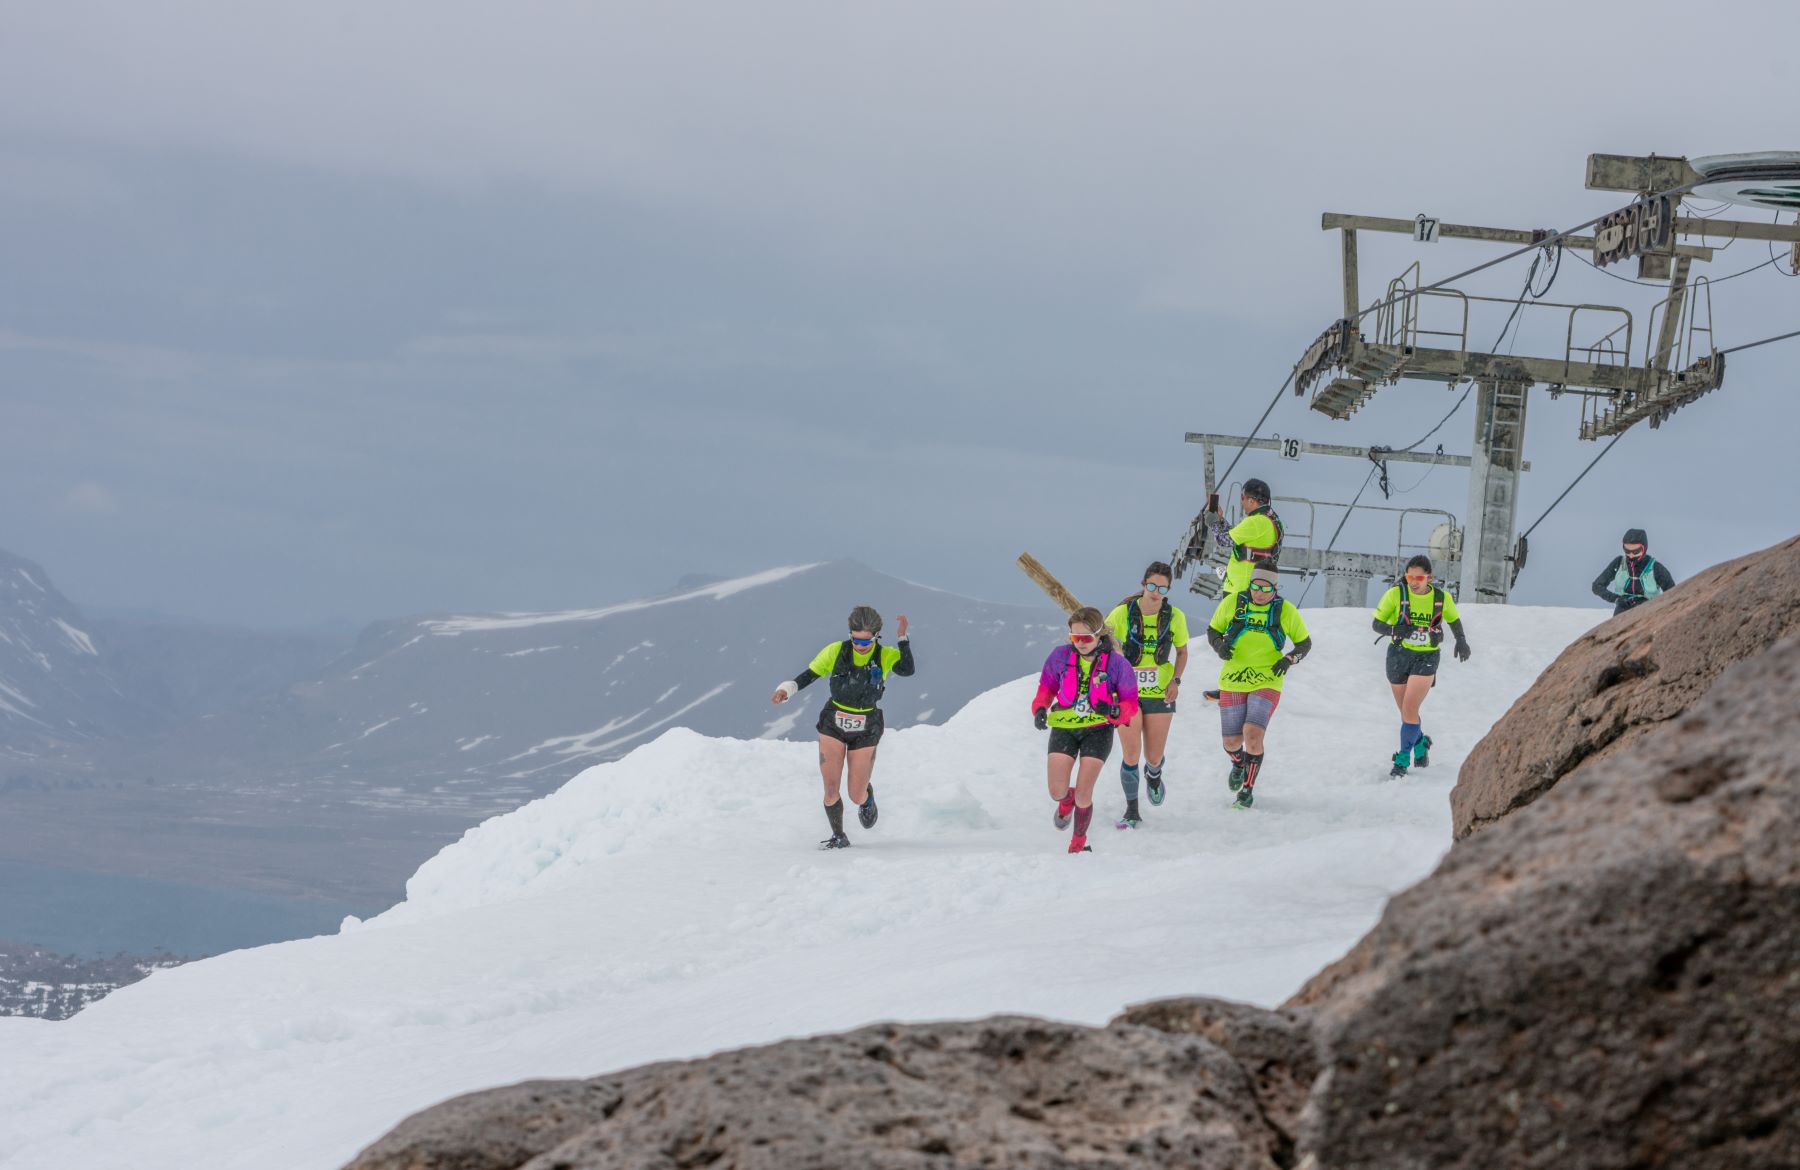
1634,577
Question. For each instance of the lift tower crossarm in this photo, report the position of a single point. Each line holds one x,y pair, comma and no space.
1338,449
1459,231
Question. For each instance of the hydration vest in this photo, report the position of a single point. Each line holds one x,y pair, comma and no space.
857,686
1436,628
1255,554
1241,622
1072,688
1645,581
1134,633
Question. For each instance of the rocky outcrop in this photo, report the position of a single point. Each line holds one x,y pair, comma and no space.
1627,677
1606,977
1006,1092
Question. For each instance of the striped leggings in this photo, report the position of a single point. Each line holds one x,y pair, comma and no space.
1237,708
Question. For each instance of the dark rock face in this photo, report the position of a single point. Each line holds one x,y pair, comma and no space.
1006,1092
1626,678
1609,978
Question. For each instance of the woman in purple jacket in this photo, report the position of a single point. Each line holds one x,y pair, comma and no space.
1087,688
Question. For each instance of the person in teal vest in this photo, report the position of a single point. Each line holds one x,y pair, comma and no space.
850,723
1633,577
1413,615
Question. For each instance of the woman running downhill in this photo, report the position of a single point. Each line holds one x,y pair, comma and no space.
850,724
1154,636
1249,631
1414,632
1086,689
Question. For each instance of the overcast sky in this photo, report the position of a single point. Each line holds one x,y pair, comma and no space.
352,310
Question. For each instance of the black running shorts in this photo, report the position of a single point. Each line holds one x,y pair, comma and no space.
854,729
1403,663
1082,742
1156,706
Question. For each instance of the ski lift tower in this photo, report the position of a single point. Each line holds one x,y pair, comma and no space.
1347,573
1625,369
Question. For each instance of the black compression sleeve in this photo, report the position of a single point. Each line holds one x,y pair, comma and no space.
1301,649
904,667
1665,580
1382,627
805,678
1456,628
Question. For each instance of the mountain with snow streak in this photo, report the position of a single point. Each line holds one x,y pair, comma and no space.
672,903
55,689
483,711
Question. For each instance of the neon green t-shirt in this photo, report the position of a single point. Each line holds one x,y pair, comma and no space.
1152,679
1418,608
825,661
1255,650
1256,531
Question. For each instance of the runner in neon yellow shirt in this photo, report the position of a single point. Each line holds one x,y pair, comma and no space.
1414,632
1254,540
1250,631
850,724
1154,636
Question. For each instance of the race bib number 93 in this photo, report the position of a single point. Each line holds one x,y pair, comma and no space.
1147,677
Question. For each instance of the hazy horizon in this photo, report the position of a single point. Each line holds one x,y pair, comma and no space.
331,314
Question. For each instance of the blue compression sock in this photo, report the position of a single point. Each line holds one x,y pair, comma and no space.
1409,735
1128,777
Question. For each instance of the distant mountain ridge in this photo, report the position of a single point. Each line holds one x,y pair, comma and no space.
69,681
456,708
54,688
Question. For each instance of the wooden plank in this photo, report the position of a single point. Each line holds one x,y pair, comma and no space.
1047,581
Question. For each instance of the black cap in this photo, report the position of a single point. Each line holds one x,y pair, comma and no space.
1257,490
1636,536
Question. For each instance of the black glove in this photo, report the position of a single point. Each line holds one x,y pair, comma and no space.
1462,649
1402,630
1281,665
1041,718
1110,710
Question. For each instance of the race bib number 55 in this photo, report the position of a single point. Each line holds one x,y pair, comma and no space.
849,723
1419,638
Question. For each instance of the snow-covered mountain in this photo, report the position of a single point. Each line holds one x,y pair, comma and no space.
484,710
54,688
671,903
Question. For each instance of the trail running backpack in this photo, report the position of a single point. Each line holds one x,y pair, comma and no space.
1084,688
1260,555
1436,628
854,686
1241,622
1134,633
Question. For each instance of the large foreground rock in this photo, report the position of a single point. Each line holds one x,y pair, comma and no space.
1608,978
1006,1092
1626,678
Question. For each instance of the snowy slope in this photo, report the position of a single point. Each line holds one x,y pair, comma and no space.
671,903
